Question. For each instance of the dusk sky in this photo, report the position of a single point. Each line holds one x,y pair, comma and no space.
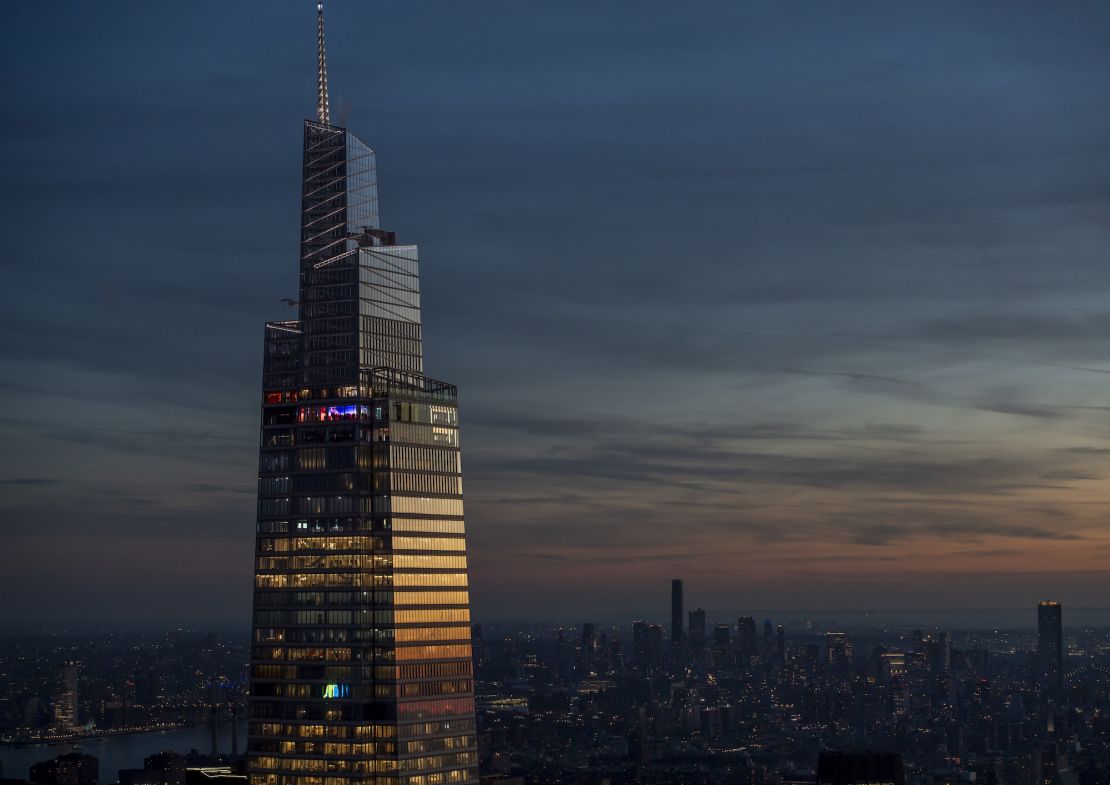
805,303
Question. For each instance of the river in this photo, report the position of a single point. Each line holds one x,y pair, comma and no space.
120,752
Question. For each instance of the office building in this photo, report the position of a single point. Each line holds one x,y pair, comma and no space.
641,652
647,646
722,646
655,645
745,639
696,633
838,650
162,768
361,667
676,615
1050,643
65,700
73,768
588,646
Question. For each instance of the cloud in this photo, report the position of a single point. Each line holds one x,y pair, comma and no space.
1020,409
678,308
865,380
1022,328
968,530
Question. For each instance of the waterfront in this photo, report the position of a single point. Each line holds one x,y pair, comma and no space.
120,752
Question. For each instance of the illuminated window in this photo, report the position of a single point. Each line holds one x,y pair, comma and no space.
337,690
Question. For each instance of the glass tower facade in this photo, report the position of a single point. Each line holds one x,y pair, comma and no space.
361,668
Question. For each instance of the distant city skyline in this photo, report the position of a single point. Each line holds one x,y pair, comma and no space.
1014,707
802,309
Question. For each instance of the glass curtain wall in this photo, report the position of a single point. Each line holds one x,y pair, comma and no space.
361,668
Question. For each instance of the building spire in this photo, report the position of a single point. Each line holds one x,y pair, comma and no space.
322,112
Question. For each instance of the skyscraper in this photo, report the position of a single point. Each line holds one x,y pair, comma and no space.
655,644
647,646
361,665
1050,643
745,632
676,615
838,650
722,646
696,633
72,768
65,700
640,645
588,645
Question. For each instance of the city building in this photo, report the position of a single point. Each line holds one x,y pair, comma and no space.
70,769
65,701
722,646
588,646
163,768
894,664
640,645
655,645
647,646
838,649
745,639
1050,643
676,615
696,633
361,667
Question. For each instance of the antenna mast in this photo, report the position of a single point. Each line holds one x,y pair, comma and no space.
322,112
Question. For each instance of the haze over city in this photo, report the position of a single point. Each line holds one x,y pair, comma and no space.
808,308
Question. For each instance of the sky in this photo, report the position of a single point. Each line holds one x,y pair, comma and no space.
804,303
